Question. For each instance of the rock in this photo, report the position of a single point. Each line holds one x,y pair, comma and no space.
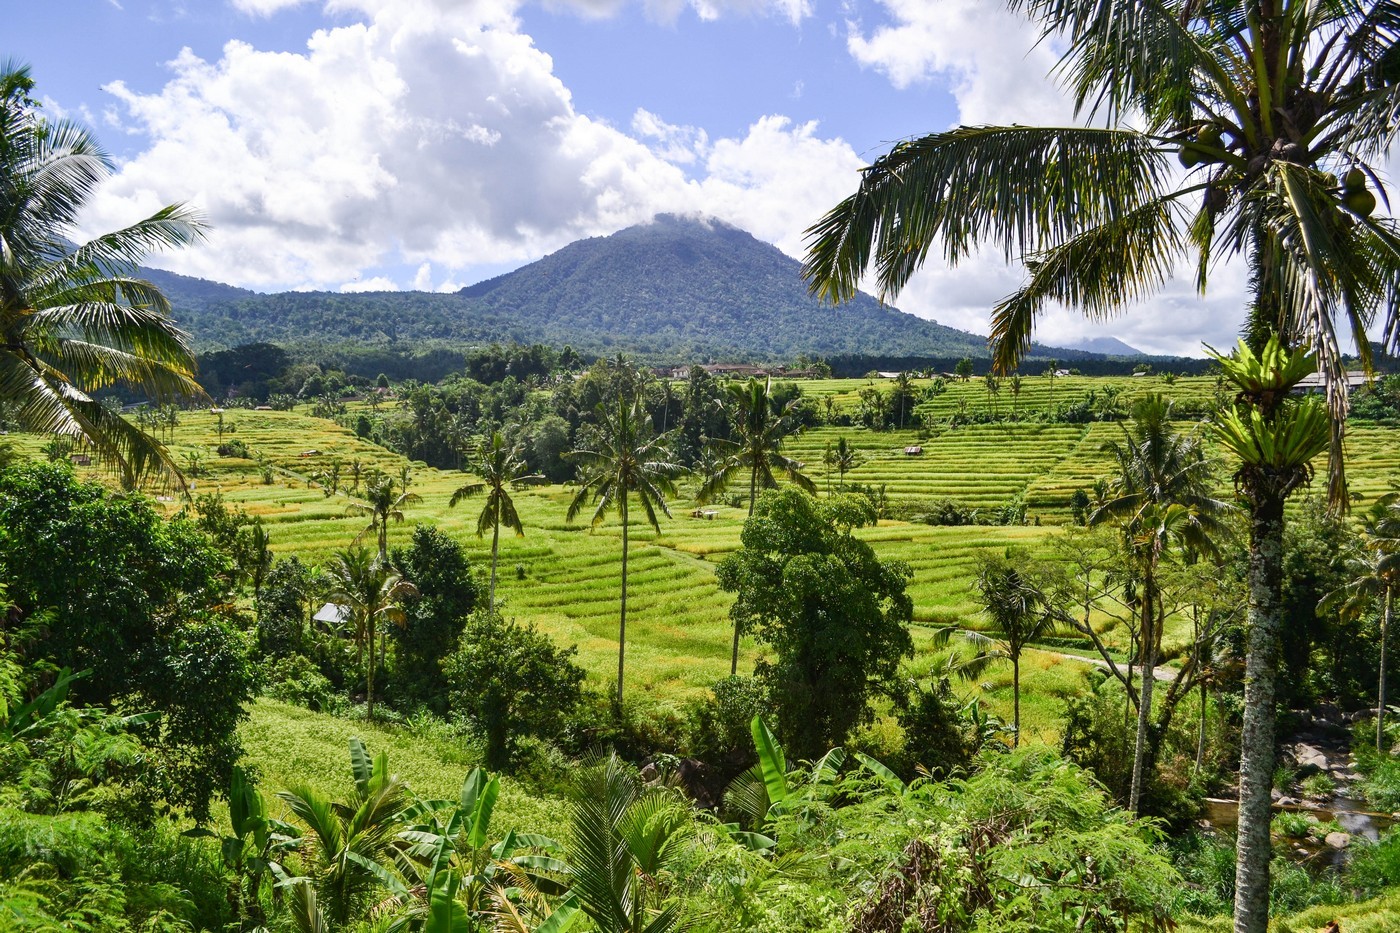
1287,801
1337,840
650,773
1309,757
1275,795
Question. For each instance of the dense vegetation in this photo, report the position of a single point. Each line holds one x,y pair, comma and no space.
990,643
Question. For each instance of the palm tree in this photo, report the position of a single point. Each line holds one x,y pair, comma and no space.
75,319
1015,383
626,458
1019,613
349,848
501,470
1374,576
1265,104
372,592
845,458
761,426
1275,439
382,506
1159,499
627,845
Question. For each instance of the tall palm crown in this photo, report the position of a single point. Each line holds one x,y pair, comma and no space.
501,469
1159,467
626,458
74,319
761,424
1265,102
383,504
373,593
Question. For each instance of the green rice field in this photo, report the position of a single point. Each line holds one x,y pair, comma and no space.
565,578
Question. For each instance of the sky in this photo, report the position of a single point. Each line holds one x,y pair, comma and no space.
428,144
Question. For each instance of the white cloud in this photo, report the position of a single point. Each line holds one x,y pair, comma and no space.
376,284
431,133
264,7
986,56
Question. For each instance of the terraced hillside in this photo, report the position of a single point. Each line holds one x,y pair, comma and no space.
564,578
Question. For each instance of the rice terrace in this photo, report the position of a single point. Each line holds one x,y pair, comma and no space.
613,468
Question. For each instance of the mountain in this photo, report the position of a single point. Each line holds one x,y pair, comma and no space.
1108,346
676,289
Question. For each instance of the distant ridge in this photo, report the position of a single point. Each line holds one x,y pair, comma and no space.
1108,346
676,289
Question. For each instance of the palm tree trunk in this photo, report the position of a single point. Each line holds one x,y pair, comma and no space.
1149,661
1252,847
369,672
753,489
495,546
622,619
1016,699
1380,690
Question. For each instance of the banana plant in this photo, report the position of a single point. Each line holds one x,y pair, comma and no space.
467,877
768,790
255,841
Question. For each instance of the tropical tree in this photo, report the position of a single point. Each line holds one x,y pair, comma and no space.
1015,383
625,459
845,458
383,505
372,592
626,847
1161,498
761,425
1018,611
834,615
1275,439
76,319
1264,104
1374,577
348,849
502,470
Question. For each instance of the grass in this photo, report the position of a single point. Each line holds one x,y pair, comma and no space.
291,746
1379,915
565,578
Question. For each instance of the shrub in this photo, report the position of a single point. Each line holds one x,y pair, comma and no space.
934,732
720,734
297,679
511,681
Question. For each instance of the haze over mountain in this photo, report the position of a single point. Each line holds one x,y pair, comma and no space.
1108,346
678,289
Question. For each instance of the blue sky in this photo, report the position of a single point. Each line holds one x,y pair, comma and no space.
357,144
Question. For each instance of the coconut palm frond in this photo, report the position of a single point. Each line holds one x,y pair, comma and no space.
1101,271
1018,189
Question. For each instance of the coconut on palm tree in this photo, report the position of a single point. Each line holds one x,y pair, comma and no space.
624,459
502,470
75,319
1277,111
